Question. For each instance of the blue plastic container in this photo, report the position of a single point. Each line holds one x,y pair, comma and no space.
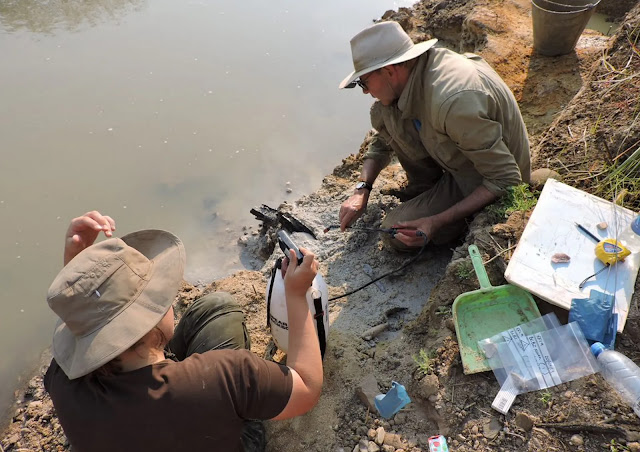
393,401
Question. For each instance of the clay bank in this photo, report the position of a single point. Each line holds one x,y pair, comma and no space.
581,113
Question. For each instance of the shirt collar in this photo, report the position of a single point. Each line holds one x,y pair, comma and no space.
409,101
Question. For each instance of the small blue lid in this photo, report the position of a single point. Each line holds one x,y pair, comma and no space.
635,225
596,348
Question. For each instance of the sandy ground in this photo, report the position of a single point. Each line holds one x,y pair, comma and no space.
414,304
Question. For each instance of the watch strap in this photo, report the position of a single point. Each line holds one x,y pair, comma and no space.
364,184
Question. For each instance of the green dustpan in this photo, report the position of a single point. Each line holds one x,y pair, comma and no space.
490,310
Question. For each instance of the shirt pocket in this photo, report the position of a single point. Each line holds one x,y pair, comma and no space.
408,140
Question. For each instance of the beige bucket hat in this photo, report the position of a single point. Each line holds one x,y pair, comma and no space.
110,295
380,45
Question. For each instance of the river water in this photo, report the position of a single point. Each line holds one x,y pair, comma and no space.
164,114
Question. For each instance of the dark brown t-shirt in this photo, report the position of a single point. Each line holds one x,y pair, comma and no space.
198,404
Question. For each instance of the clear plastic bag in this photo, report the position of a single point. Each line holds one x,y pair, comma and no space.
539,354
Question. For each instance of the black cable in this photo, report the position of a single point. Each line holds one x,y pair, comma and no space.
405,265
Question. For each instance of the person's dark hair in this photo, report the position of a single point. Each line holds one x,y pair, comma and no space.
154,338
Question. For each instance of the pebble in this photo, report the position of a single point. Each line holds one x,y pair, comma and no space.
524,421
634,446
380,434
373,447
428,386
576,440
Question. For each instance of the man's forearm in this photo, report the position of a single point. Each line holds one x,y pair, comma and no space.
370,170
479,198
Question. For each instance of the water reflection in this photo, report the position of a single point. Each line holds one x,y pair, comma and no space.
49,15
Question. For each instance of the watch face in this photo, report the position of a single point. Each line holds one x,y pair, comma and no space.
362,184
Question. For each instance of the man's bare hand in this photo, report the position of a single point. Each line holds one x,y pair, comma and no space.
84,230
352,209
407,235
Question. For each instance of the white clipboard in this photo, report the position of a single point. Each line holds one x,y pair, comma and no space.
552,229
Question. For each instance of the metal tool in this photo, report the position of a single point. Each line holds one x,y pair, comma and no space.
391,231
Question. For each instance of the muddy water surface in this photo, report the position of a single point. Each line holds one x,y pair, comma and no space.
163,114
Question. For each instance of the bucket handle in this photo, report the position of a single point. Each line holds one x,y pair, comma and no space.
478,266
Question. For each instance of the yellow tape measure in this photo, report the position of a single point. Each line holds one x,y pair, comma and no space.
610,251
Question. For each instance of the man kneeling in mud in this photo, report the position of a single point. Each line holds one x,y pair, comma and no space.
122,379
453,124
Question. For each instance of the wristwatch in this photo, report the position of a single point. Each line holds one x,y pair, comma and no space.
362,184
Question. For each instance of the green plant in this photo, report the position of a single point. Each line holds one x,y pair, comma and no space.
424,360
594,127
517,198
443,310
621,177
545,397
615,447
464,270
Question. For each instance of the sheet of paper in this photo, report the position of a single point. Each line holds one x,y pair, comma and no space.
552,229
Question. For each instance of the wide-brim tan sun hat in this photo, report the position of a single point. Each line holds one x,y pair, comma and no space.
110,295
380,45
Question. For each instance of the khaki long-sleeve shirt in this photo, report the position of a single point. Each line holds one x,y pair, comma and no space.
457,112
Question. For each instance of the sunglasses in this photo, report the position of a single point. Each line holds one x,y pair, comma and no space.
363,83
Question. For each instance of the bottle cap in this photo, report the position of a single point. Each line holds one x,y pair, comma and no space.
596,348
635,225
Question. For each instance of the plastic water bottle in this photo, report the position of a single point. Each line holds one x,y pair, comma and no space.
630,235
621,373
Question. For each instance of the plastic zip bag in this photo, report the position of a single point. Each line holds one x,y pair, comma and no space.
537,355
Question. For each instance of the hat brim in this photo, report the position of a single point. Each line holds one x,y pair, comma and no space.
78,356
415,51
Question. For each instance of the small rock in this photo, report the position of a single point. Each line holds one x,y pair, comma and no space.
634,446
400,418
428,386
392,439
450,324
373,447
367,391
387,448
524,421
576,440
491,428
540,176
380,434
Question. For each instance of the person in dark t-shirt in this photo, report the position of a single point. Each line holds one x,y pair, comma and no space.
123,379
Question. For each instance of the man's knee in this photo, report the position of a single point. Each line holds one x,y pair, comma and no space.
216,301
